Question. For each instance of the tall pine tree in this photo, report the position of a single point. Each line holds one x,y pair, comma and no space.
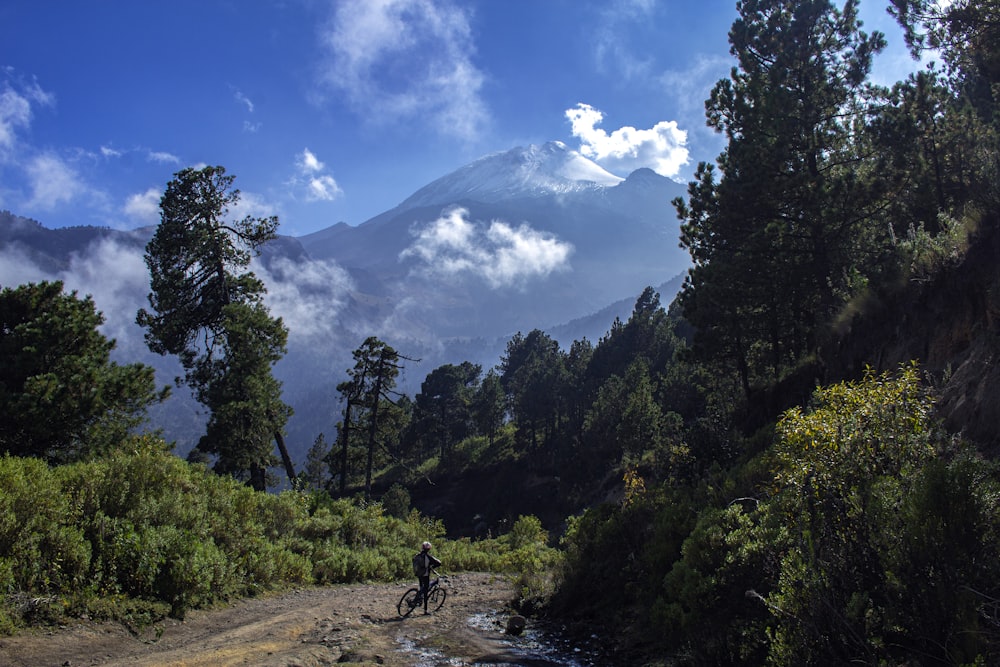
208,309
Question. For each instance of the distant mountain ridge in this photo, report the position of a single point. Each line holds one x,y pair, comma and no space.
620,235
534,237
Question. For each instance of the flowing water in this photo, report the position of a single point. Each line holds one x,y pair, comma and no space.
535,647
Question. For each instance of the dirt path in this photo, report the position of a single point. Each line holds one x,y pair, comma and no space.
354,624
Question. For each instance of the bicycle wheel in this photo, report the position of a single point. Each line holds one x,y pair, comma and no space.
408,602
436,599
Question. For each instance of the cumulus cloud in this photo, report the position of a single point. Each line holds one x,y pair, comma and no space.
397,60
662,148
145,206
309,163
318,185
499,253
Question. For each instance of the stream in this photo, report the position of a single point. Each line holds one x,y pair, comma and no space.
534,647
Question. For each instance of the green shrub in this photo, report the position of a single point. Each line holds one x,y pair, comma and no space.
527,531
330,564
42,548
140,531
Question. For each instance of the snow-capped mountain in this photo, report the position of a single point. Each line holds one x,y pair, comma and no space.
530,171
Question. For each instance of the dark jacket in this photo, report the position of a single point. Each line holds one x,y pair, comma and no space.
423,563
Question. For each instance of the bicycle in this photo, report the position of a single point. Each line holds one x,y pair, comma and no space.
411,599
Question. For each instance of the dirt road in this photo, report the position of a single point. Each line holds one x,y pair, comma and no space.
353,624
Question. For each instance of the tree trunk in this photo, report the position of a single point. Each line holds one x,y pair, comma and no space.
372,429
345,433
279,439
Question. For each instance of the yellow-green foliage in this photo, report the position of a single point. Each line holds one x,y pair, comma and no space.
877,426
142,530
889,546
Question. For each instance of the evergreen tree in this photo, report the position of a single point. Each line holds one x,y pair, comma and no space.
966,33
533,374
786,235
61,397
443,407
371,389
316,473
490,406
208,309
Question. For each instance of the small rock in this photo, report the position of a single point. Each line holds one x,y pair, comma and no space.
515,624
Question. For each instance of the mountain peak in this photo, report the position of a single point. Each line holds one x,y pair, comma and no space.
525,171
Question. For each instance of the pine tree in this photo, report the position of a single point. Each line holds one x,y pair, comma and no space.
208,309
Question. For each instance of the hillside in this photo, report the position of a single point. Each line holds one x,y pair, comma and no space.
950,322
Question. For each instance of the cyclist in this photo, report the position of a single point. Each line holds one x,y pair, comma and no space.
423,565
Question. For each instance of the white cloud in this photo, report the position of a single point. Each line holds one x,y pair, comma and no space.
612,38
689,88
308,295
322,188
662,148
318,186
17,269
16,102
163,158
109,152
116,277
499,253
243,99
309,163
15,114
145,206
402,59
253,205
52,182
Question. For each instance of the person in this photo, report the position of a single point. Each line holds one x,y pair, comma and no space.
423,565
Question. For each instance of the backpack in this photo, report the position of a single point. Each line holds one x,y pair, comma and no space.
419,565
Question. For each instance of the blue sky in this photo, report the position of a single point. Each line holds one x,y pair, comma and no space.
329,110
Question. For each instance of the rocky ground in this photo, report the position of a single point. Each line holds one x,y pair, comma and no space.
351,624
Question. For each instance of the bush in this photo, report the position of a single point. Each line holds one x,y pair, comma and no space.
41,548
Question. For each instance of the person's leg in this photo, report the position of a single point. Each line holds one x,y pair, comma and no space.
425,583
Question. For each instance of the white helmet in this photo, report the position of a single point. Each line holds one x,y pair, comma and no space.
426,546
